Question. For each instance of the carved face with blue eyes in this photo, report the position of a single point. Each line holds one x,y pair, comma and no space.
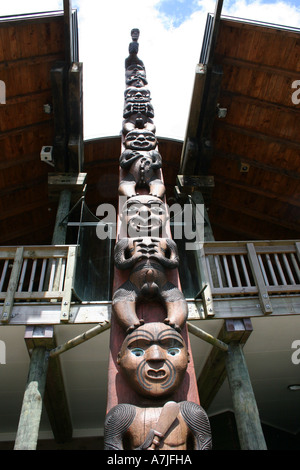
154,358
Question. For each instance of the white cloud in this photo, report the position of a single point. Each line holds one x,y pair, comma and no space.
170,54
278,12
170,57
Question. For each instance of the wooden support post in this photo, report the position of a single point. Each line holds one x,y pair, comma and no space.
59,103
75,118
297,244
67,185
60,229
189,149
56,403
68,30
13,284
213,373
27,435
259,280
198,200
245,408
69,280
55,398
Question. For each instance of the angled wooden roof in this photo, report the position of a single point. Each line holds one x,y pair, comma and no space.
261,130
28,49
255,158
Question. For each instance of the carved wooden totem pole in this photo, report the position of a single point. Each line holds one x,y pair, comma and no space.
153,401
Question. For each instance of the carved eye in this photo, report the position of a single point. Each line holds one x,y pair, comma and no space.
173,351
138,352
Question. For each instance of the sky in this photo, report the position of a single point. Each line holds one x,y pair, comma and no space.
171,33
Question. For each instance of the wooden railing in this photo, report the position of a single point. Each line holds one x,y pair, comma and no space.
227,270
259,268
41,273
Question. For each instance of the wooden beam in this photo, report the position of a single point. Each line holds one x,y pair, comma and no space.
60,229
75,119
13,284
84,313
59,238
255,163
207,119
20,233
214,371
259,280
191,184
55,398
188,154
72,343
257,134
30,127
271,70
270,106
206,337
56,403
17,210
29,61
67,91
244,404
257,190
69,282
68,31
256,215
59,75
215,31
203,105
73,182
29,423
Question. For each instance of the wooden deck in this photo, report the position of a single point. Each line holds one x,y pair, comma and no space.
244,279
43,273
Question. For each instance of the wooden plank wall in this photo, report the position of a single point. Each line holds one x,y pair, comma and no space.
28,50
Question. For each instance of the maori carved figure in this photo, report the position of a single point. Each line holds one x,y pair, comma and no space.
154,359
135,75
144,215
140,95
148,258
137,110
142,172
133,50
140,139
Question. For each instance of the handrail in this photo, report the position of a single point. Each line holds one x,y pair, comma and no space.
260,268
41,273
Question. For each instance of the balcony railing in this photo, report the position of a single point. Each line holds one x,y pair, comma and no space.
41,273
259,268
226,270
